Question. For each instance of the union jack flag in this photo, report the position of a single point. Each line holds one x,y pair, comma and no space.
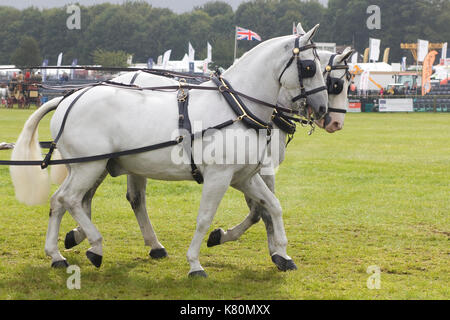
246,34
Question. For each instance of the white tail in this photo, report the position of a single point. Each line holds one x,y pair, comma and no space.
31,183
58,173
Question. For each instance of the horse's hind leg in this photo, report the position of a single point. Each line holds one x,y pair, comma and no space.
77,235
256,189
136,186
219,236
57,211
82,178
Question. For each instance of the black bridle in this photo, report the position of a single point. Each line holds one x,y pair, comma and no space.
336,85
305,68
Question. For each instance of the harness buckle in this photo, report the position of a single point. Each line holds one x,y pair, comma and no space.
240,118
181,95
179,139
221,88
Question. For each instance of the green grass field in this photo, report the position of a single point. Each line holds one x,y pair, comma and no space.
376,193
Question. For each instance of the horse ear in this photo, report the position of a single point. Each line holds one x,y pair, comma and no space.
348,52
300,30
310,34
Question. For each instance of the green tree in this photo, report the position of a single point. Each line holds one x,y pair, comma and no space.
110,58
145,31
215,8
27,54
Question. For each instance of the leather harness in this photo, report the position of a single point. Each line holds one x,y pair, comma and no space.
223,86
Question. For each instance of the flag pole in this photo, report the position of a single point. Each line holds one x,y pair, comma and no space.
235,42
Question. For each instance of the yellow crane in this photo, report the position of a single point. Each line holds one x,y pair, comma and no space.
413,47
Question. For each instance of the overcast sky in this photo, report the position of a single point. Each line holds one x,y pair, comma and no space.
175,5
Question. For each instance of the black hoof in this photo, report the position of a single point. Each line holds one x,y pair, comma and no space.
60,264
198,274
214,238
70,242
158,253
95,259
283,264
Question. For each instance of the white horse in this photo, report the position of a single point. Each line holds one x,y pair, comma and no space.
137,184
109,119
336,101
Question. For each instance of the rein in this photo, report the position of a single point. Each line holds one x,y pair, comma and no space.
220,88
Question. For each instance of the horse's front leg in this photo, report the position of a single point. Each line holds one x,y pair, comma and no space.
136,186
216,182
256,189
257,212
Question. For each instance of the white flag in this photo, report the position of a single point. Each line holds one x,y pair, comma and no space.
364,81
403,64
208,52
130,60
355,58
58,64
159,61
444,53
422,50
59,59
166,58
374,45
191,53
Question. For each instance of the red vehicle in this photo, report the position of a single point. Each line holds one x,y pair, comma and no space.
23,92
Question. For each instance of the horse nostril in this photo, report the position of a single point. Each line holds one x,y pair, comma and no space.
337,125
322,110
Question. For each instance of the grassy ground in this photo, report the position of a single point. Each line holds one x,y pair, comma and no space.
376,193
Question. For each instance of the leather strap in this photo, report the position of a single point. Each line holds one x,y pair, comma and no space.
238,106
185,123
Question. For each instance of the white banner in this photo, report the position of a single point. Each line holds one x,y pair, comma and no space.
58,64
166,58
403,68
422,50
208,52
396,105
364,81
374,45
355,58
59,59
444,53
191,53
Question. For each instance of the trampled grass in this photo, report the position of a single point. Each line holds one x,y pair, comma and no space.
376,193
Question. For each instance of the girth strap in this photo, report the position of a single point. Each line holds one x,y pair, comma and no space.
184,123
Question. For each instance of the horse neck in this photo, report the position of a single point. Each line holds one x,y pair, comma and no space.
255,75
